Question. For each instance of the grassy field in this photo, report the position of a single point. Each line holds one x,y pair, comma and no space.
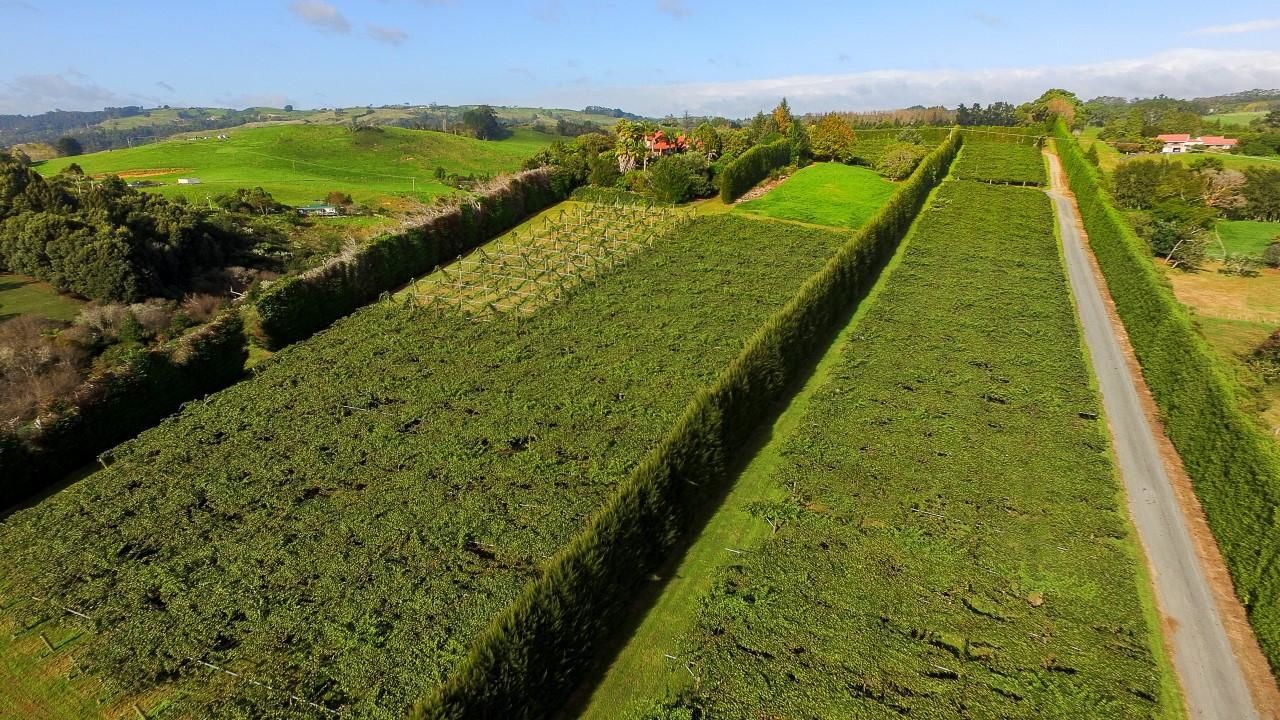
922,564
22,295
1235,314
825,194
301,163
341,525
1249,237
1108,157
1236,118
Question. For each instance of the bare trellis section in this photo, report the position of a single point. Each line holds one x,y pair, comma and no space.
538,265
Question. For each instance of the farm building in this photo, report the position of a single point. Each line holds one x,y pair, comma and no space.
660,144
1182,142
318,209
189,181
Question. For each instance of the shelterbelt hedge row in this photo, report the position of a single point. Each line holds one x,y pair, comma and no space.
112,406
536,651
751,167
1233,464
297,306
343,525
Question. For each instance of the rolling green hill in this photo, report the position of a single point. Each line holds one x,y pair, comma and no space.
301,163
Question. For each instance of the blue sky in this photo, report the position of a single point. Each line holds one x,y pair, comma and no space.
648,56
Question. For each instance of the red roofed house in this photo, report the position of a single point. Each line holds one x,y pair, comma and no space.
1215,142
1181,142
660,144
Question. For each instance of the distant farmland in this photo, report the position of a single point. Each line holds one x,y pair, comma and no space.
301,163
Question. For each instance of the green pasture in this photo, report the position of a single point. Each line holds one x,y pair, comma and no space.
22,295
825,194
302,163
1235,118
1249,237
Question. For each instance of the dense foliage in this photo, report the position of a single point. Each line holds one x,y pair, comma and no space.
117,403
299,305
1001,162
539,648
1233,463
751,167
104,240
344,524
950,542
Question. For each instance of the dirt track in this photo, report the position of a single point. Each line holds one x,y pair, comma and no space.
1216,660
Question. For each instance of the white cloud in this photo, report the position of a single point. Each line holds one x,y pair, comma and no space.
388,35
1240,27
320,14
674,8
1179,73
70,90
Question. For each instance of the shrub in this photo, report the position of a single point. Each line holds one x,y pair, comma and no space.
900,159
751,167
677,178
1271,255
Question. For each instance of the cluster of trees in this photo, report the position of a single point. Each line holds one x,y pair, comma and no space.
704,153
481,122
1175,206
104,240
997,113
43,361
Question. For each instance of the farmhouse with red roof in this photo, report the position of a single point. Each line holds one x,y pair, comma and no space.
659,143
1182,142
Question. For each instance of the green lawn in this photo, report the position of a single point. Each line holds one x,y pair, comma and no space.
825,194
22,295
1236,118
1250,237
301,163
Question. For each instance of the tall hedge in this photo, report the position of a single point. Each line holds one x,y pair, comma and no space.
113,406
1234,465
751,167
293,308
540,647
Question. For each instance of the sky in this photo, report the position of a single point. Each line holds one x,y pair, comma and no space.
652,57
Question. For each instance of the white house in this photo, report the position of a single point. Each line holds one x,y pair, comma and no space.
1182,142
188,181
